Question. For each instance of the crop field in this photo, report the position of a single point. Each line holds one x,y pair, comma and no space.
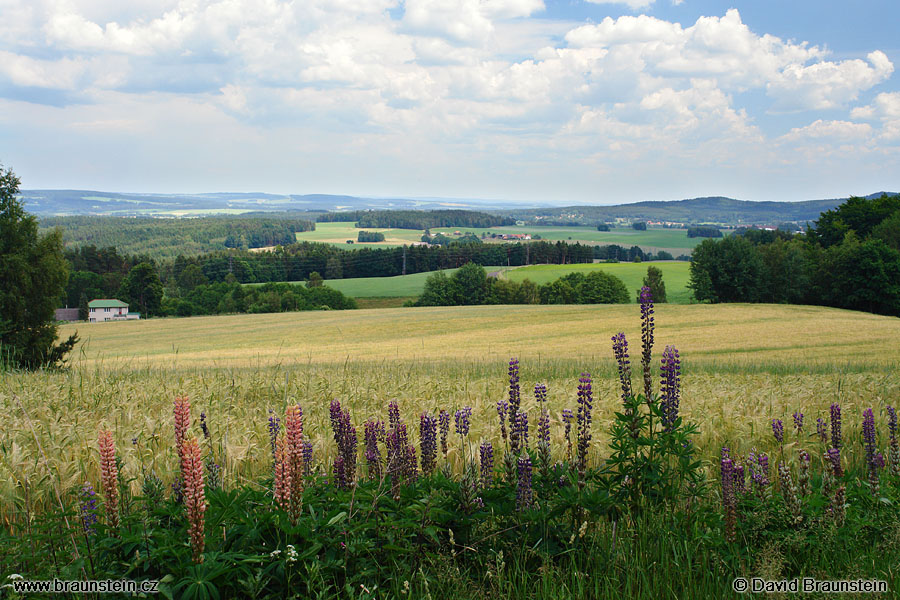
675,241
742,363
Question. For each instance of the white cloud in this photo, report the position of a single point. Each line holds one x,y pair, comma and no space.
839,130
632,4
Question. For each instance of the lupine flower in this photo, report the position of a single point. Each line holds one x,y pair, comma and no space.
289,463
194,500
739,486
373,431
428,442
759,472
646,300
893,446
274,427
834,459
821,430
182,411
109,476
838,506
393,414
798,422
340,473
620,350
670,385
567,418
345,437
871,450
523,484
213,473
585,404
411,468
514,398
879,460
444,425
462,418
487,464
540,394
778,430
836,426
88,508
728,498
502,408
789,492
203,426
307,458
803,480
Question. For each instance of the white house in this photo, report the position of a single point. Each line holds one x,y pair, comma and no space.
109,310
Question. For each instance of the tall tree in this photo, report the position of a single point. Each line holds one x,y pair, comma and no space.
654,281
142,289
33,275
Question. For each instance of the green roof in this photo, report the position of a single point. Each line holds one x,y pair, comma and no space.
107,304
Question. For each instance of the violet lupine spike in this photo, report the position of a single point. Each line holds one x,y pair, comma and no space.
444,426
307,458
428,442
411,468
524,491
514,397
486,452
670,385
822,430
521,430
203,426
568,417
88,508
893,445
502,408
869,442
798,422
646,300
739,485
834,458
540,394
620,350
778,430
836,426
373,431
463,417
274,427
585,405
340,473
393,414
728,497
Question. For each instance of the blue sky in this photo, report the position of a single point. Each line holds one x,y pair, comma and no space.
565,101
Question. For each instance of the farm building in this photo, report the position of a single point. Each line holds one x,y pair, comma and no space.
109,310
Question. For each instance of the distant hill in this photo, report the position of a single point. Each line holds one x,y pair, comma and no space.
714,209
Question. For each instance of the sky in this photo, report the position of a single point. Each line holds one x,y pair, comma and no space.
560,101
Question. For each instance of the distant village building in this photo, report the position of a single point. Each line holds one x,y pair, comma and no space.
109,310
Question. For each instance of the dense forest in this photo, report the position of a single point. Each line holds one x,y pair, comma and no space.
416,219
167,237
849,259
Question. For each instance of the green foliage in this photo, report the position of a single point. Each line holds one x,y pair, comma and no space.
859,215
639,225
709,232
595,287
142,290
370,236
729,270
654,281
603,227
315,280
33,275
888,231
861,276
440,290
471,284
417,219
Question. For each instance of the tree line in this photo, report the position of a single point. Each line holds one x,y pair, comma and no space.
168,237
416,219
849,259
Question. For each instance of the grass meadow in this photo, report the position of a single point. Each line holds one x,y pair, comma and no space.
675,241
742,365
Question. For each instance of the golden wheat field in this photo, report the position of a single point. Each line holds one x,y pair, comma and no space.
742,366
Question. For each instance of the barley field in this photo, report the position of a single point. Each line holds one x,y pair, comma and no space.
742,366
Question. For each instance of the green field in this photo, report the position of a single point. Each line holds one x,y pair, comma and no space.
671,240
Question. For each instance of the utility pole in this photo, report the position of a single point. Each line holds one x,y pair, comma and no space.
404,260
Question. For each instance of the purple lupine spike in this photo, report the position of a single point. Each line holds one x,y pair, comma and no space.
893,445
373,430
798,422
836,426
428,442
725,452
393,414
521,431
585,405
514,397
274,427
203,426
540,394
502,408
444,425
411,470
670,385
307,457
739,486
834,457
340,473
646,300
728,497
568,417
487,464
822,430
620,350
523,483
879,460
463,418
334,412
892,421
88,508
778,430
871,450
